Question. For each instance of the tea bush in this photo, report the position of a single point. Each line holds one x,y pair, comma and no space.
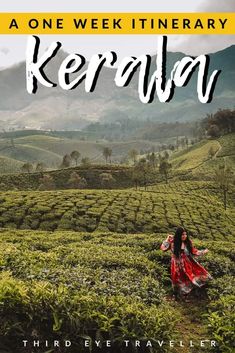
73,284
221,319
109,285
161,209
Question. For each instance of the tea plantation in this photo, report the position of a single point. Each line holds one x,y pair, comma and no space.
195,205
87,264
196,162
194,156
105,286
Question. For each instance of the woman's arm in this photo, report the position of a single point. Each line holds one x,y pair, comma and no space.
197,252
166,244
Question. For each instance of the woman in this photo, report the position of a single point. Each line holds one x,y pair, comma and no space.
186,272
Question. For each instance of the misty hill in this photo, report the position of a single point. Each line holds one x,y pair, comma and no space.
58,109
51,149
193,162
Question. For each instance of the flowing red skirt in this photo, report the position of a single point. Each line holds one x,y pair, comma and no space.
187,273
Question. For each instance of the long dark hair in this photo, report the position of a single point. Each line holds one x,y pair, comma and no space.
178,241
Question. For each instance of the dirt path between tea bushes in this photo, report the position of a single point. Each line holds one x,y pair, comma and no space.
191,326
218,151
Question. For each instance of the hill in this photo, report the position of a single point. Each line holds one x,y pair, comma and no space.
29,153
228,145
198,162
51,149
194,156
9,165
59,109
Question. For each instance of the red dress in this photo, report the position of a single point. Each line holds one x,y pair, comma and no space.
186,272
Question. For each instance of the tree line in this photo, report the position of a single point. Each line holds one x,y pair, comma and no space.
146,169
219,124
75,181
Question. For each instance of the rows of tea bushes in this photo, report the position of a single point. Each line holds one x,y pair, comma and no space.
102,285
228,145
197,162
220,317
194,156
160,209
208,191
221,312
99,286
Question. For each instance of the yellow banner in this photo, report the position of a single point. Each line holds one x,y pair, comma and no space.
117,23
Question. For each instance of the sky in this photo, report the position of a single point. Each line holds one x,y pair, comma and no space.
12,47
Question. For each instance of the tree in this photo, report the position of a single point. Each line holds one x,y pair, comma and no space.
136,176
75,155
85,162
133,153
40,167
107,180
166,155
186,142
182,142
213,131
107,153
220,123
46,182
164,168
224,177
66,162
177,143
27,167
143,173
152,159
76,182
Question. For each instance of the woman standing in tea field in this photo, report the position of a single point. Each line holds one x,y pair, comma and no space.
186,272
